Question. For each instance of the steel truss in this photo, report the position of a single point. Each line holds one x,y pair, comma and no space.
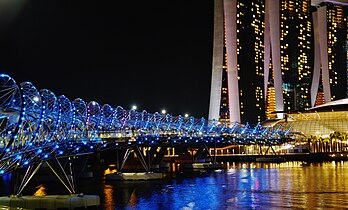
37,126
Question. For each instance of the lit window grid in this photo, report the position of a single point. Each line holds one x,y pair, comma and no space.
301,15
257,9
337,24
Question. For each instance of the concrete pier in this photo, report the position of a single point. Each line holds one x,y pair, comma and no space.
51,202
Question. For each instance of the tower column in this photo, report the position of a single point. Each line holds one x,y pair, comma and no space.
267,56
324,57
272,19
316,68
218,56
320,56
230,8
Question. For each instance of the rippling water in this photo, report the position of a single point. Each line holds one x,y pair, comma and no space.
242,186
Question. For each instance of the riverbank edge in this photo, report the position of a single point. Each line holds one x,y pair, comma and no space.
305,157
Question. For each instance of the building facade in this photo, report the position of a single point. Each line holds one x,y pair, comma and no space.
237,75
295,50
272,57
337,26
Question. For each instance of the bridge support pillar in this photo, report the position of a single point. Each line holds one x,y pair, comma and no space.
142,159
270,147
125,157
260,149
29,174
147,156
56,168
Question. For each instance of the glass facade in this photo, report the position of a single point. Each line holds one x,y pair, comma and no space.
320,123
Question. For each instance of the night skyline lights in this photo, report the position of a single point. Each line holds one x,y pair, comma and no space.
279,51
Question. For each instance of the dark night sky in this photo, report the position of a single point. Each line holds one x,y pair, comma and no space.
156,54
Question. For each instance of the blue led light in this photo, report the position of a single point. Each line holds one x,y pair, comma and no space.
68,125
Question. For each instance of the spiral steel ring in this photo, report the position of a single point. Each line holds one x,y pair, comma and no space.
36,125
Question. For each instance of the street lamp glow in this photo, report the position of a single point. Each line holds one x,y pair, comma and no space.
134,107
186,115
163,111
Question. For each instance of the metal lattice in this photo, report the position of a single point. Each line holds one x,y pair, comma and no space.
35,125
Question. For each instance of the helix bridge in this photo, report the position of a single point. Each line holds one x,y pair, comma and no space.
36,125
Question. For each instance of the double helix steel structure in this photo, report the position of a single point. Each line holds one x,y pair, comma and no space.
36,125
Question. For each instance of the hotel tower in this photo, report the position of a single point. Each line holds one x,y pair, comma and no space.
271,57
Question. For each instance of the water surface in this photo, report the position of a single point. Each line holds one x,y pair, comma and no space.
242,186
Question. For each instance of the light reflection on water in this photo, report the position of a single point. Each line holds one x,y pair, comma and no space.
243,186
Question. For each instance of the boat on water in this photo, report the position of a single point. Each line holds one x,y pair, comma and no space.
276,159
133,176
200,166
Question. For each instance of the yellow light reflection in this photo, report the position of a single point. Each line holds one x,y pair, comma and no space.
109,200
133,199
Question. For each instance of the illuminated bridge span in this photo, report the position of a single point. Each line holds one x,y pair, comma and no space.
36,125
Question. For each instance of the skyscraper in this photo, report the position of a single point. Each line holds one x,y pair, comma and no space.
237,75
295,49
274,56
250,55
288,47
330,19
